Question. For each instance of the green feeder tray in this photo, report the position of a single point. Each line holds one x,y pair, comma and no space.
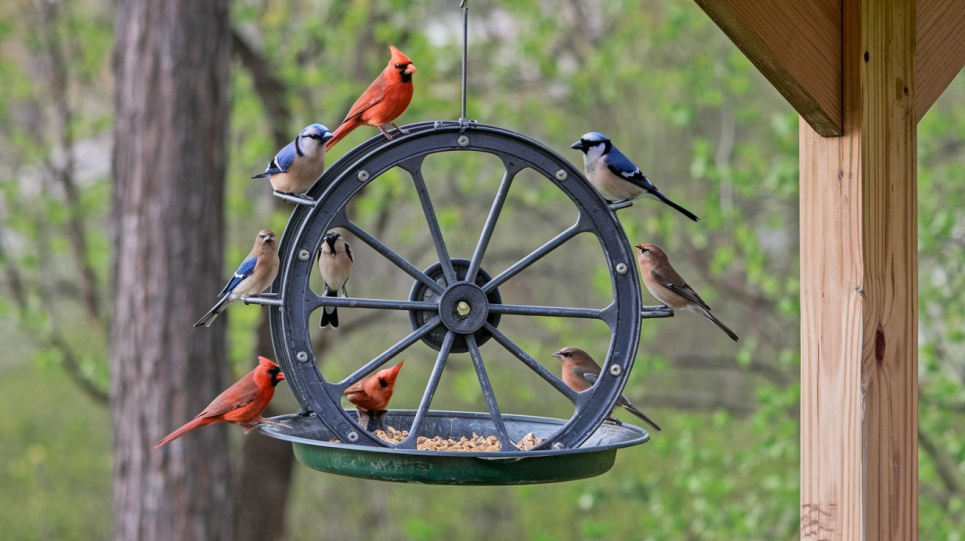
316,447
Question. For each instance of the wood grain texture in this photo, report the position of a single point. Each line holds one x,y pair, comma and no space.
859,458
890,252
796,45
941,49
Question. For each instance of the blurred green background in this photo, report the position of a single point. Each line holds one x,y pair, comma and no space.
658,77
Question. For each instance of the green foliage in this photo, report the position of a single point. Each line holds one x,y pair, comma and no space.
664,83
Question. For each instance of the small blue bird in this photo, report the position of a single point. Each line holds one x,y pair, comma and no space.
335,262
297,166
254,276
614,175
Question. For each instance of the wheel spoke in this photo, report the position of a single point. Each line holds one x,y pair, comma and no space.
648,312
410,441
534,256
392,256
379,304
552,311
491,220
506,444
414,167
386,356
534,365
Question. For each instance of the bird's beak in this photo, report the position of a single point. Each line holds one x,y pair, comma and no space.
410,70
558,354
327,136
280,376
577,145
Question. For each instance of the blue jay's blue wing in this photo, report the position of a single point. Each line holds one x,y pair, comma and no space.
243,272
621,166
283,160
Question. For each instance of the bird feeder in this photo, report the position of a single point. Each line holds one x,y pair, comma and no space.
454,306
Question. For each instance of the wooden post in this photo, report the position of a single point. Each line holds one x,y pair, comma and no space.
859,291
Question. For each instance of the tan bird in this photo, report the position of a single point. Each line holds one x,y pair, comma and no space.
580,372
668,287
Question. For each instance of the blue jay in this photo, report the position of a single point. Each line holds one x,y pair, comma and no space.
254,276
297,166
335,262
614,175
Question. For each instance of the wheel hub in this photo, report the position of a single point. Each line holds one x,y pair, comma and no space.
463,307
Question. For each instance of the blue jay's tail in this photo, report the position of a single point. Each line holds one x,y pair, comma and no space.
329,313
215,311
680,209
622,401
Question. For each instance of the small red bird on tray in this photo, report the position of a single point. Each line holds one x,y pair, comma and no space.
371,396
242,403
383,101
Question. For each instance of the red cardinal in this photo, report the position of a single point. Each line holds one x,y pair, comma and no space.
242,403
371,396
383,101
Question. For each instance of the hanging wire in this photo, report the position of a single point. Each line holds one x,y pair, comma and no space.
464,4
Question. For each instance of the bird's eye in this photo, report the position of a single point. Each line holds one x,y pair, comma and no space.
400,66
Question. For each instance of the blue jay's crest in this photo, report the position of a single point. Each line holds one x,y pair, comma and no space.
594,137
591,139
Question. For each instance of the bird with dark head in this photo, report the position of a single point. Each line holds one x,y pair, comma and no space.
383,101
335,262
668,287
254,276
614,175
241,404
296,167
580,372
371,396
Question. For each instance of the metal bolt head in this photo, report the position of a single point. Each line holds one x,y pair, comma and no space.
622,268
615,370
304,254
362,175
353,436
463,140
561,175
301,356
463,308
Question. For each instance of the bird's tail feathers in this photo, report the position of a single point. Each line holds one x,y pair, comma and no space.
215,311
679,209
340,132
329,318
188,427
629,407
706,313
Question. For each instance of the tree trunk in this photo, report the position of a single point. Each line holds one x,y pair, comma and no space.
264,479
171,64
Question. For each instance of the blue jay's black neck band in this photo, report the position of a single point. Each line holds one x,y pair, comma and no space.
298,145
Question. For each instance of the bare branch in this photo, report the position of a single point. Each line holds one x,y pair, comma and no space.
945,466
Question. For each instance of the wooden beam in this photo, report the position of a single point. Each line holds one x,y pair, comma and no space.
941,49
796,45
859,289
